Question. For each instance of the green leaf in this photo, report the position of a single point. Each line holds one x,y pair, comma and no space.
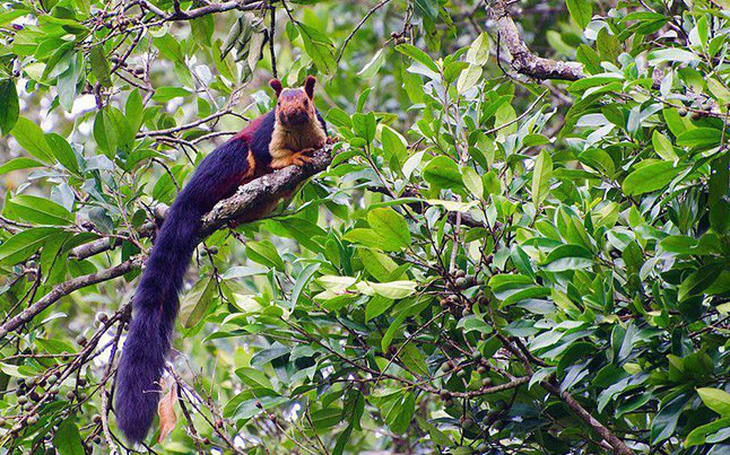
63,152
568,257
32,139
427,8
395,289
198,302
394,144
473,182
112,132
379,265
469,78
478,53
319,48
265,253
134,111
19,163
672,55
594,81
541,177
23,244
372,239
418,55
699,435
700,280
169,48
390,224
399,419
663,146
413,359
324,419
9,106
253,378
364,125
700,137
650,177
580,11
165,94
599,160
372,67
67,439
665,421
99,66
376,306
38,210
302,280
443,172
716,399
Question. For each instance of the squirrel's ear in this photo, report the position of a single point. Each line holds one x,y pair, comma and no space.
309,86
276,85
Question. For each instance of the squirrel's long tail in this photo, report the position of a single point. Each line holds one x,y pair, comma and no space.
156,300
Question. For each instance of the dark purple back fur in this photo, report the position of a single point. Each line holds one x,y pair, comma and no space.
156,300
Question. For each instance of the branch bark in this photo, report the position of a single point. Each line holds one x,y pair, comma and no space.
179,15
523,60
618,445
244,206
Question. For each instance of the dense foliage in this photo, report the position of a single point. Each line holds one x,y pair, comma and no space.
507,254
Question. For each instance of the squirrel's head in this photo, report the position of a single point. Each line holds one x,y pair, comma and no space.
294,106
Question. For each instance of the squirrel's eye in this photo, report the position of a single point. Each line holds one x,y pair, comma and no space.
306,102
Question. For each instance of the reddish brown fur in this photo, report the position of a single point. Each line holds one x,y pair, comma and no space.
247,133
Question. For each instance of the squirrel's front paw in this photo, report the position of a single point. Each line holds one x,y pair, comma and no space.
300,159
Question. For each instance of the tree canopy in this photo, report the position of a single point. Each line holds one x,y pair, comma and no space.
519,245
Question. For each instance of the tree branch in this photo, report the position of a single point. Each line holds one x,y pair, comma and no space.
523,60
65,289
179,15
618,445
245,206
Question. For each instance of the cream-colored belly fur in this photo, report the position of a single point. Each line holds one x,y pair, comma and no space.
285,141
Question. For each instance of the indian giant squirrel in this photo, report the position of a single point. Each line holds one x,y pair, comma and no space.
287,135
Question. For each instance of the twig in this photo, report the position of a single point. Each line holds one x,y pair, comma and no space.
357,27
272,29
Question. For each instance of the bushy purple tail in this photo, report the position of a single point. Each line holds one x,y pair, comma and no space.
156,300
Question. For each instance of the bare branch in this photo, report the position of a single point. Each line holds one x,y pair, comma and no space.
358,26
179,15
523,60
65,289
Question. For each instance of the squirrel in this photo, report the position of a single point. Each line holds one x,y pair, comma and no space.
285,136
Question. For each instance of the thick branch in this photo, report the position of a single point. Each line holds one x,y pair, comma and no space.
523,60
245,205
179,15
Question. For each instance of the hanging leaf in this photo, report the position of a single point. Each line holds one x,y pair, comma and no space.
166,413
9,107
541,177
